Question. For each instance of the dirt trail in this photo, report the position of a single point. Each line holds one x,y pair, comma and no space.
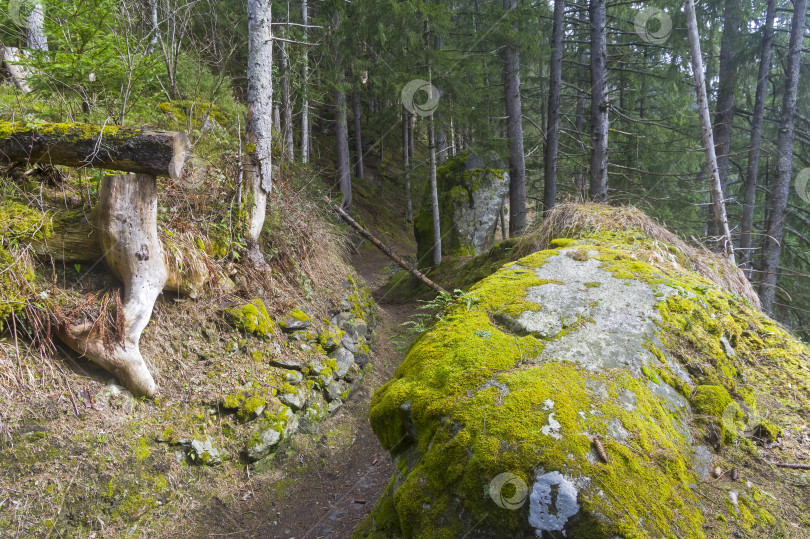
326,482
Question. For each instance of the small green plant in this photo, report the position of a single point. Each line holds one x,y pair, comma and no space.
432,310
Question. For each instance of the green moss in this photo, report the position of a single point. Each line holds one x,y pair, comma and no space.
450,436
712,400
252,318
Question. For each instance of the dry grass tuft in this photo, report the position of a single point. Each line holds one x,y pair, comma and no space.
662,248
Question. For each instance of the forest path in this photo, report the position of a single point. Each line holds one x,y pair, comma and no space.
325,483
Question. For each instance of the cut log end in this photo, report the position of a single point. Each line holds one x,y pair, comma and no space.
181,146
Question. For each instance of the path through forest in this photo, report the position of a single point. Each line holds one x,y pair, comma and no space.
325,483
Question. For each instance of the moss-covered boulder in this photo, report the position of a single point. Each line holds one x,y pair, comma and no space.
587,393
471,195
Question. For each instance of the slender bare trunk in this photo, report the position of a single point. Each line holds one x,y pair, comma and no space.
260,99
553,127
772,248
286,103
342,136
434,197
358,133
406,165
600,123
514,132
750,197
718,201
35,28
305,91
724,115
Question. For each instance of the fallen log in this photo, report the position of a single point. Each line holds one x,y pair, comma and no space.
11,58
144,151
385,249
127,220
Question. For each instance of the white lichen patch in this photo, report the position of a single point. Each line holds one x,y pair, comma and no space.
552,503
552,428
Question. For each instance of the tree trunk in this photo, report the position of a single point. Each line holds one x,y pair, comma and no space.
718,201
259,178
286,102
514,132
358,133
579,122
406,165
11,59
35,27
724,116
772,249
305,90
434,197
411,121
342,139
599,105
159,153
750,197
127,221
553,127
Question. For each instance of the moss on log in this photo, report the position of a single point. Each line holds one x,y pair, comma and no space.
158,153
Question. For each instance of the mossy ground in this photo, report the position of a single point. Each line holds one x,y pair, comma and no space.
456,436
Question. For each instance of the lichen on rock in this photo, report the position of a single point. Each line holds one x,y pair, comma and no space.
636,362
471,198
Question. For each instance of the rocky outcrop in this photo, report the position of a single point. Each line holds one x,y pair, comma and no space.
471,194
597,388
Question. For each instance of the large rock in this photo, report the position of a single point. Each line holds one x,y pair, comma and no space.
471,194
589,393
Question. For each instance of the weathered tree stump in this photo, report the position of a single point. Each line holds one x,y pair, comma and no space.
127,220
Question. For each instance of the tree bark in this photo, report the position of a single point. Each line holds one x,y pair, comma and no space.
258,171
727,84
358,133
12,58
35,28
579,122
159,153
718,202
514,132
305,90
600,123
750,197
553,127
342,140
434,197
772,249
286,102
127,221
406,165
